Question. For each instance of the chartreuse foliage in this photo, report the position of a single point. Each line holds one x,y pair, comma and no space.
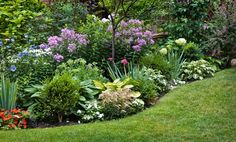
200,111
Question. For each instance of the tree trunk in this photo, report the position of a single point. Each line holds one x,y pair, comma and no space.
113,43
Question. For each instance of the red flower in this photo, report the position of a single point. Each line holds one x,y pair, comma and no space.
124,61
15,110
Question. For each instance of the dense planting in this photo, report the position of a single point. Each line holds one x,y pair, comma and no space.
67,62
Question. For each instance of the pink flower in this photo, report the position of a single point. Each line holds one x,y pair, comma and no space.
137,48
71,47
68,34
54,41
124,61
58,57
109,59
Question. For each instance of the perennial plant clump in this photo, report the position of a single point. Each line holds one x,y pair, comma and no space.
65,45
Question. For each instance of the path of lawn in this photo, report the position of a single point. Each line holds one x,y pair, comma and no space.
200,111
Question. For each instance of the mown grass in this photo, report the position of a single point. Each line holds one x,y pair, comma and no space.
200,111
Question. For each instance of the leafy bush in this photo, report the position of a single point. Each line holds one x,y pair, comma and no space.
15,16
221,43
58,98
197,70
13,119
8,94
31,66
99,40
118,100
188,19
80,70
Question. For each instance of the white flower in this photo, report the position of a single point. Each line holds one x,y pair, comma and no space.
100,115
104,20
79,111
78,122
163,51
181,41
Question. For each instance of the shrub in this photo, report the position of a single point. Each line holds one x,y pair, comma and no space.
31,66
189,19
58,98
196,70
13,119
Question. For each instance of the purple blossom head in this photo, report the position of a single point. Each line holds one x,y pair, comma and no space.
43,46
135,22
137,48
82,39
57,57
54,41
118,34
123,24
138,34
68,34
135,30
148,34
1,43
152,42
141,42
71,47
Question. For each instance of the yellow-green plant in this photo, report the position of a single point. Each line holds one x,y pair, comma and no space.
8,94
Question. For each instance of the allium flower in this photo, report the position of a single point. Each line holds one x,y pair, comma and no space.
135,22
58,57
124,61
82,39
68,34
13,68
138,34
148,34
54,41
123,24
136,48
141,42
43,46
181,41
1,43
71,47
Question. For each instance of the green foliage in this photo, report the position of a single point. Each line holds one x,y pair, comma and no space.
8,94
14,16
221,43
58,98
118,100
91,111
98,48
156,61
187,19
80,70
197,70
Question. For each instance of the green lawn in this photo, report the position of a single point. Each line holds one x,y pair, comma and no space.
200,111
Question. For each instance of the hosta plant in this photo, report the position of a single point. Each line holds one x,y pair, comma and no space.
118,100
197,70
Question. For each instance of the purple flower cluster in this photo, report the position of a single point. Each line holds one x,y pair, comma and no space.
57,57
134,34
54,41
67,42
